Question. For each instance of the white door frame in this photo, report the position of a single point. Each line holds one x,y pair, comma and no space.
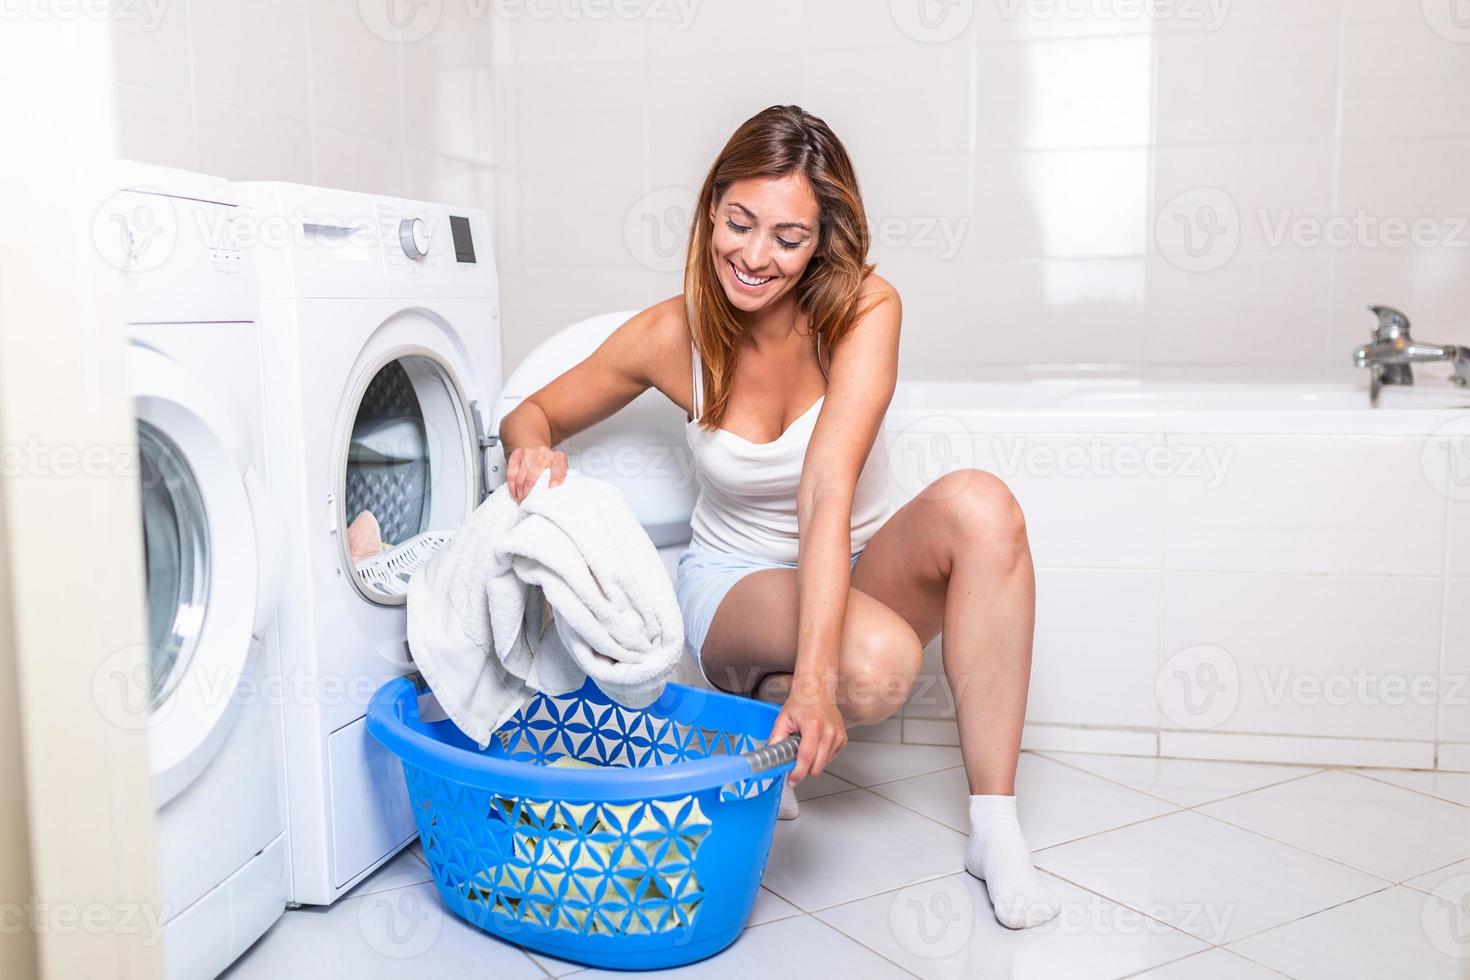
76,809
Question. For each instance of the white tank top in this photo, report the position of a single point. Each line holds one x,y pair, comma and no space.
747,490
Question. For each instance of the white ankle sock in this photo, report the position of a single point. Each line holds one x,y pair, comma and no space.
998,854
788,809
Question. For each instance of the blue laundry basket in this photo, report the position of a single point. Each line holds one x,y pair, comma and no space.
651,859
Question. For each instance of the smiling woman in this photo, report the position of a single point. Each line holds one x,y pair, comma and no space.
801,584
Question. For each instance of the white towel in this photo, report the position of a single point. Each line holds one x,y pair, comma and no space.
477,611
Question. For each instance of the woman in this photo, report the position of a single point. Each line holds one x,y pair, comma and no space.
801,584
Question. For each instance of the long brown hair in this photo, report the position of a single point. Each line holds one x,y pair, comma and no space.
776,142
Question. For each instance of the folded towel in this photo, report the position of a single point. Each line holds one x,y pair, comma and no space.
478,610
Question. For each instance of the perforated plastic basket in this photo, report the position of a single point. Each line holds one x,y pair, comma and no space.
651,857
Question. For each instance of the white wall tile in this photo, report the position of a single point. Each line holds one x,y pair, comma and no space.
918,206
245,146
1273,186
1020,19
833,24
1269,84
1060,310
355,74
1454,709
1349,656
1246,15
446,101
155,127
151,48
433,177
1292,504
358,163
1454,757
914,97
1066,94
689,119
1091,501
251,55
1097,648
572,115
533,33
693,25
1458,560
1259,307
1297,749
1062,203
1404,79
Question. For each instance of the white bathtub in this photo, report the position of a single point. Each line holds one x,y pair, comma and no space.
1256,570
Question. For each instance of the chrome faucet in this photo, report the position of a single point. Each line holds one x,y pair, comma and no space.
1392,352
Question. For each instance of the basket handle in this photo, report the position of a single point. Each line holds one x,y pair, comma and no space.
773,755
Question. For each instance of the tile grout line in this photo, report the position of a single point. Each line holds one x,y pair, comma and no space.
1410,789
1165,799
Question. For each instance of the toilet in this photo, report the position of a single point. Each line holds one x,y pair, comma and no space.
640,449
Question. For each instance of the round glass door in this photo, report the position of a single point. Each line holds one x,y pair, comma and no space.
409,475
176,552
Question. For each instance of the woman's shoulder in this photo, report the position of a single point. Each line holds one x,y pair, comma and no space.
662,323
875,288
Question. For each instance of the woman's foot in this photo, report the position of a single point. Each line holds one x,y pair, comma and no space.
998,855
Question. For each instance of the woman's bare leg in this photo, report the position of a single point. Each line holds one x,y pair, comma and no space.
956,557
751,647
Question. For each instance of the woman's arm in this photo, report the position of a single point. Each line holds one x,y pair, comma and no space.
862,377
635,356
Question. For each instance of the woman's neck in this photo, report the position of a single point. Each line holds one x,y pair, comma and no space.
773,326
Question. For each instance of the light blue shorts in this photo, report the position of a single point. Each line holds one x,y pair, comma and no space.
702,579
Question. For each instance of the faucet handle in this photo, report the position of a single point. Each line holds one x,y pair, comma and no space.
1392,323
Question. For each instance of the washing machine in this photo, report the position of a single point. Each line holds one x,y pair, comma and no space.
215,560
641,449
380,321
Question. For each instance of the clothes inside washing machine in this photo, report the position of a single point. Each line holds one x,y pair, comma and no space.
390,478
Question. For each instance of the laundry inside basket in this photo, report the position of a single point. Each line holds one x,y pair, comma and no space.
595,867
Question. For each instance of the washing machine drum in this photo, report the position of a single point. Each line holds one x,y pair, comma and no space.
177,559
388,472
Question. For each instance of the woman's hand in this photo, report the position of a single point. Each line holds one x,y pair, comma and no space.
525,465
811,712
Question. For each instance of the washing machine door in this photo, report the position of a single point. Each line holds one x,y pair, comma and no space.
206,599
409,468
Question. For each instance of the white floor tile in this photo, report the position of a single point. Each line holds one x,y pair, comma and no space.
1187,782
405,932
795,947
405,868
1215,964
945,929
870,763
768,908
851,845
1397,932
1452,882
1210,879
1452,786
824,785
1387,831
1056,802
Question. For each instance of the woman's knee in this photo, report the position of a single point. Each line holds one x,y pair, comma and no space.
879,663
982,511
